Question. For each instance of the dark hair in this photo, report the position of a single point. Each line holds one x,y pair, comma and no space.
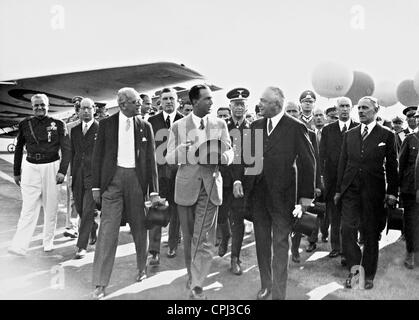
224,108
143,95
257,110
195,92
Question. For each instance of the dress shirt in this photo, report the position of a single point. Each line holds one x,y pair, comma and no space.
370,127
275,120
89,124
347,123
126,148
171,116
201,135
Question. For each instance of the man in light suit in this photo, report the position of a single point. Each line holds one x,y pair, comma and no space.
195,189
124,171
83,137
161,123
271,193
367,178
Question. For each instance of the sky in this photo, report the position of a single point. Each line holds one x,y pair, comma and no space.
233,43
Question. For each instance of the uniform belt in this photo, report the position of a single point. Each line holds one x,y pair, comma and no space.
41,156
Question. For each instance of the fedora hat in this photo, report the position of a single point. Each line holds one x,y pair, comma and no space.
394,218
306,224
210,152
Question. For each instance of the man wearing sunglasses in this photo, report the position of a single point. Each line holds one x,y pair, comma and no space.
41,174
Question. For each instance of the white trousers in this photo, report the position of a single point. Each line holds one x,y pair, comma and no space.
39,188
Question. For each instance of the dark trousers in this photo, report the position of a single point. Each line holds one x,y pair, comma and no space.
411,222
361,211
237,231
272,229
334,214
86,208
123,193
166,191
322,225
223,220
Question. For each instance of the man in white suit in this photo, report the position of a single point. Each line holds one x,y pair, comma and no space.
194,182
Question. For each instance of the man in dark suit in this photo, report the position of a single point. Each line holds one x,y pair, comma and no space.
330,146
271,188
124,171
407,159
368,161
294,110
231,213
83,138
161,124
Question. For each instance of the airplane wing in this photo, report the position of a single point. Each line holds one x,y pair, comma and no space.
182,93
99,85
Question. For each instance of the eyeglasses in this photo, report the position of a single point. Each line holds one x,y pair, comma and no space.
39,105
138,101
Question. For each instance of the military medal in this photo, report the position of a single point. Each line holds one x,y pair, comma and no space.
49,136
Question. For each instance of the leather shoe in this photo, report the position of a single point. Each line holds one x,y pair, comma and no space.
409,262
155,259
197,294
222,248
80,254
295,258
311,247
235,266
369,284
171,253
142,275
263,294
334,254
99,293
70,233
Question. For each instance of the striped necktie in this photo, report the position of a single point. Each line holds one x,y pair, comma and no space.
364,133
270,127
85,129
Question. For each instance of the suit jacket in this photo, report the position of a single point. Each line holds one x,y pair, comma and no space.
190,175
287,141
330,147
407,159
161,133
367,162
106,152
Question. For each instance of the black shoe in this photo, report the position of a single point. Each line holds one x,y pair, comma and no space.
70,233
142,275
369,284
235,266
295,258
222,248
197,294
99,293
334,254
263,294
343,262
81,253
311,247
155,259
171,253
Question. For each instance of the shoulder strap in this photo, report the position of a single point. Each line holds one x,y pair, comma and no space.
32,133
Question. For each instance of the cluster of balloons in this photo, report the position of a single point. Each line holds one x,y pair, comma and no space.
332,80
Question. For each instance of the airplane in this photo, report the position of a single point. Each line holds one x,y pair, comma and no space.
99,85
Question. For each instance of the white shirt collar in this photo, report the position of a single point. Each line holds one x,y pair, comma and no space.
275,119
342,123
171,115
197,120
89,124
123,118
370,126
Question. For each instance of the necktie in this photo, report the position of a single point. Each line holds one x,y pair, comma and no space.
128,125
168,122
270,127
344,128
364,133
318,136
85,129
237,124
202,127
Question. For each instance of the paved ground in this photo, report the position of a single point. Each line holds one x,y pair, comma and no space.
56,275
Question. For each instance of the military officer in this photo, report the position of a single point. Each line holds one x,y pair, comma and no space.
307,100
41,173
231,213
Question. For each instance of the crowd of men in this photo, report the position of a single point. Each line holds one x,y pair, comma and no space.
270,169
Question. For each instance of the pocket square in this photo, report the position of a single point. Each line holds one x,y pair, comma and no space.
144,139
381,144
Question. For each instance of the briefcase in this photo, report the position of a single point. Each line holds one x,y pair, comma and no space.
394,218
306,224
319,209
157,216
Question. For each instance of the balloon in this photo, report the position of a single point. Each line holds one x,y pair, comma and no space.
363,85
385,92
406,93
331,80
416,82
